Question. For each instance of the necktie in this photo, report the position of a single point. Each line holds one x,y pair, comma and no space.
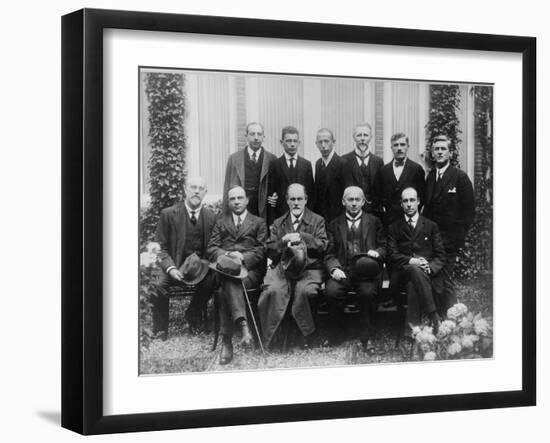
439,175
296,223
399,163
291,162
254,157
239,221
354,221
410,222
193,218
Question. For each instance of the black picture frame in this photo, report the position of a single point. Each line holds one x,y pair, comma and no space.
82,218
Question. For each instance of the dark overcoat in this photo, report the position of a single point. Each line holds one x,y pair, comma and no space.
373,237
352,177
234,176
388,189
280,179
451,205
327,193
171,234
275,297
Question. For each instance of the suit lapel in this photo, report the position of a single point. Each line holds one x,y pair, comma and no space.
239,164
445,180
179,220
265,165
419,228
365,225
343,228
404,173
245,225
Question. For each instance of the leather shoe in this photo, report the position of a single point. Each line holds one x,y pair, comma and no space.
246,340
227,350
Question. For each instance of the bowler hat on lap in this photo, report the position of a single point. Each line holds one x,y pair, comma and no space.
230,265
194,269
365,267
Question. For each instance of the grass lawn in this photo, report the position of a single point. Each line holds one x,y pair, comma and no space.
184,352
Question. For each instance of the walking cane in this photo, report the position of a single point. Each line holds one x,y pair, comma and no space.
253,319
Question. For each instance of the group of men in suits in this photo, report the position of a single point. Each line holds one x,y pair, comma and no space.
356,216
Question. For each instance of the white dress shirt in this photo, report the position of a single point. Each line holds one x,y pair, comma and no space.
398,170
329,158
365,160
441,172
197,211
236,217
288,157
251,151
414,219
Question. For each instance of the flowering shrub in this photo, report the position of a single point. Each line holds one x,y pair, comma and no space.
148,266
462,335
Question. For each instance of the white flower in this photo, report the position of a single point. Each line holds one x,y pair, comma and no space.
469,340
466,323
456,311
429,355
147,259
445,328
454,348
482,327
415,330
426,336
153,247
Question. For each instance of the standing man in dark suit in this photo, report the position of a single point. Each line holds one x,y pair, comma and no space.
450,203
239,236
183,230
289,168
395,176
329,183
357,248
298,225
363,166
417,255
249,168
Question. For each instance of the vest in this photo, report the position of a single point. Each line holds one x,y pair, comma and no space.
194,237
353,245
252,172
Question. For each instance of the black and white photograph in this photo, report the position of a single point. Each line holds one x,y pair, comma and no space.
302,221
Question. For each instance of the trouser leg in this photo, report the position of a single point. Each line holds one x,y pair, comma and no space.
443,283
335,294
367,292
160,304
419,293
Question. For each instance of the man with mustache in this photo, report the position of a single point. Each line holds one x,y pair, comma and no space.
354,261
240,237
362,166
249,168
400,173
450,203
298,225
183,231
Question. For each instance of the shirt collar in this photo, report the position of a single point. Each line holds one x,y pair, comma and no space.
360,154
243,216
197,211
293,218
328,159
288,157
357,217
443,169
414,218
250,152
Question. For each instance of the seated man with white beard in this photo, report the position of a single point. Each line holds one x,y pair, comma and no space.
298,227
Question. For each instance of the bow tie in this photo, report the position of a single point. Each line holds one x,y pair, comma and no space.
399,163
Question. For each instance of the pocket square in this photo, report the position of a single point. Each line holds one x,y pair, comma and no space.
452,190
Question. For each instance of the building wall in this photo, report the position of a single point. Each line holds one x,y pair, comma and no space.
219,105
